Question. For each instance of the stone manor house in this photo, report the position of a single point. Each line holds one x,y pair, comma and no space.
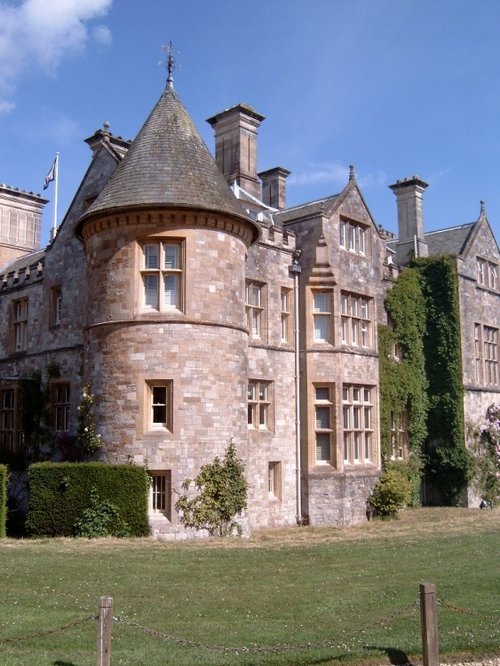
199,309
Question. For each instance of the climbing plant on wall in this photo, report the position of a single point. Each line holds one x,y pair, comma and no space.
403,381
425,379
447,460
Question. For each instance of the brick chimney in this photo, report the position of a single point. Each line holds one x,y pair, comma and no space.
274,187
411,241
236,146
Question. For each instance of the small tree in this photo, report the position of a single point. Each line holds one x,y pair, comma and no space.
222,493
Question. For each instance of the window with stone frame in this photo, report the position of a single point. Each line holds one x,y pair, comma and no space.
357,421
60,401
490,346
10,421
162,275
55,306
20,324
286,315
482,270
492,276
255,303
356,320
322,315
323,424
160,493
259,405
399,435
274,479
478,355
159,405
353,236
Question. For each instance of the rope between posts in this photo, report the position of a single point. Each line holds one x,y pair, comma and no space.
48,632
275,649
468,611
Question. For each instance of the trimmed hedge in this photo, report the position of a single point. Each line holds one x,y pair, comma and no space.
61,492
4,473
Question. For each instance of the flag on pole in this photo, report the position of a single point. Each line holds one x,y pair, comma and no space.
51,175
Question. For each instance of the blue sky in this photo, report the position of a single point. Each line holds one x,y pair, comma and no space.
395,88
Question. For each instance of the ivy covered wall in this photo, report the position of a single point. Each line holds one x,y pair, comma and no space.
447,460
403,379
426,379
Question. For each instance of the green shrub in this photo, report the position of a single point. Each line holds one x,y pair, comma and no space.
60,493
392,492
411,469
3,499
101,519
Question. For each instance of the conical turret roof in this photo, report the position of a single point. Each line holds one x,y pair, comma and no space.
168,164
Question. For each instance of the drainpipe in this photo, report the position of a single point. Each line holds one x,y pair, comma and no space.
295,270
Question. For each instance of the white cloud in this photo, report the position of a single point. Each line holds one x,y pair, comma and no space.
335,173
322,172
102,35
38,34
437,175
372,179
6,107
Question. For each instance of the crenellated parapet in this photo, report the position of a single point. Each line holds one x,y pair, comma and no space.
21,274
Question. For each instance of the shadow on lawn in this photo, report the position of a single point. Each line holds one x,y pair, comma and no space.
397,657
63,663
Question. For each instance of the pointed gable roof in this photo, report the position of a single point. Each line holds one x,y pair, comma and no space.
168,164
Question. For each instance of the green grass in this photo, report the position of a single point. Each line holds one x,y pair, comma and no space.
340,595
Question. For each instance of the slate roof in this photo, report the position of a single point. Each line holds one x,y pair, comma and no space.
168,164
309,209
444,241
448,241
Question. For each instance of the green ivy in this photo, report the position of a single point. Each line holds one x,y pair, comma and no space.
403,381
423,311
447,461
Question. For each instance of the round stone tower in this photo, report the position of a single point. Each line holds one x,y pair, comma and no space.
166,341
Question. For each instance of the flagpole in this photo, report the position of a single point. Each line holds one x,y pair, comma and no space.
56,195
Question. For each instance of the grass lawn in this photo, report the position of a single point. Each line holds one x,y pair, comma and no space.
305,595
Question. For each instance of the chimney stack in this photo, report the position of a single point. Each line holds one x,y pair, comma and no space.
236,146
411,239
274,187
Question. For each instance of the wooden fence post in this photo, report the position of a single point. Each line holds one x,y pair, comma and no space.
105,621
428,619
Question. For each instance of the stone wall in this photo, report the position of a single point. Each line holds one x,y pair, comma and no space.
339,499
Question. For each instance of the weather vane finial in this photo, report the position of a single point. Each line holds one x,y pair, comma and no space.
170,62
